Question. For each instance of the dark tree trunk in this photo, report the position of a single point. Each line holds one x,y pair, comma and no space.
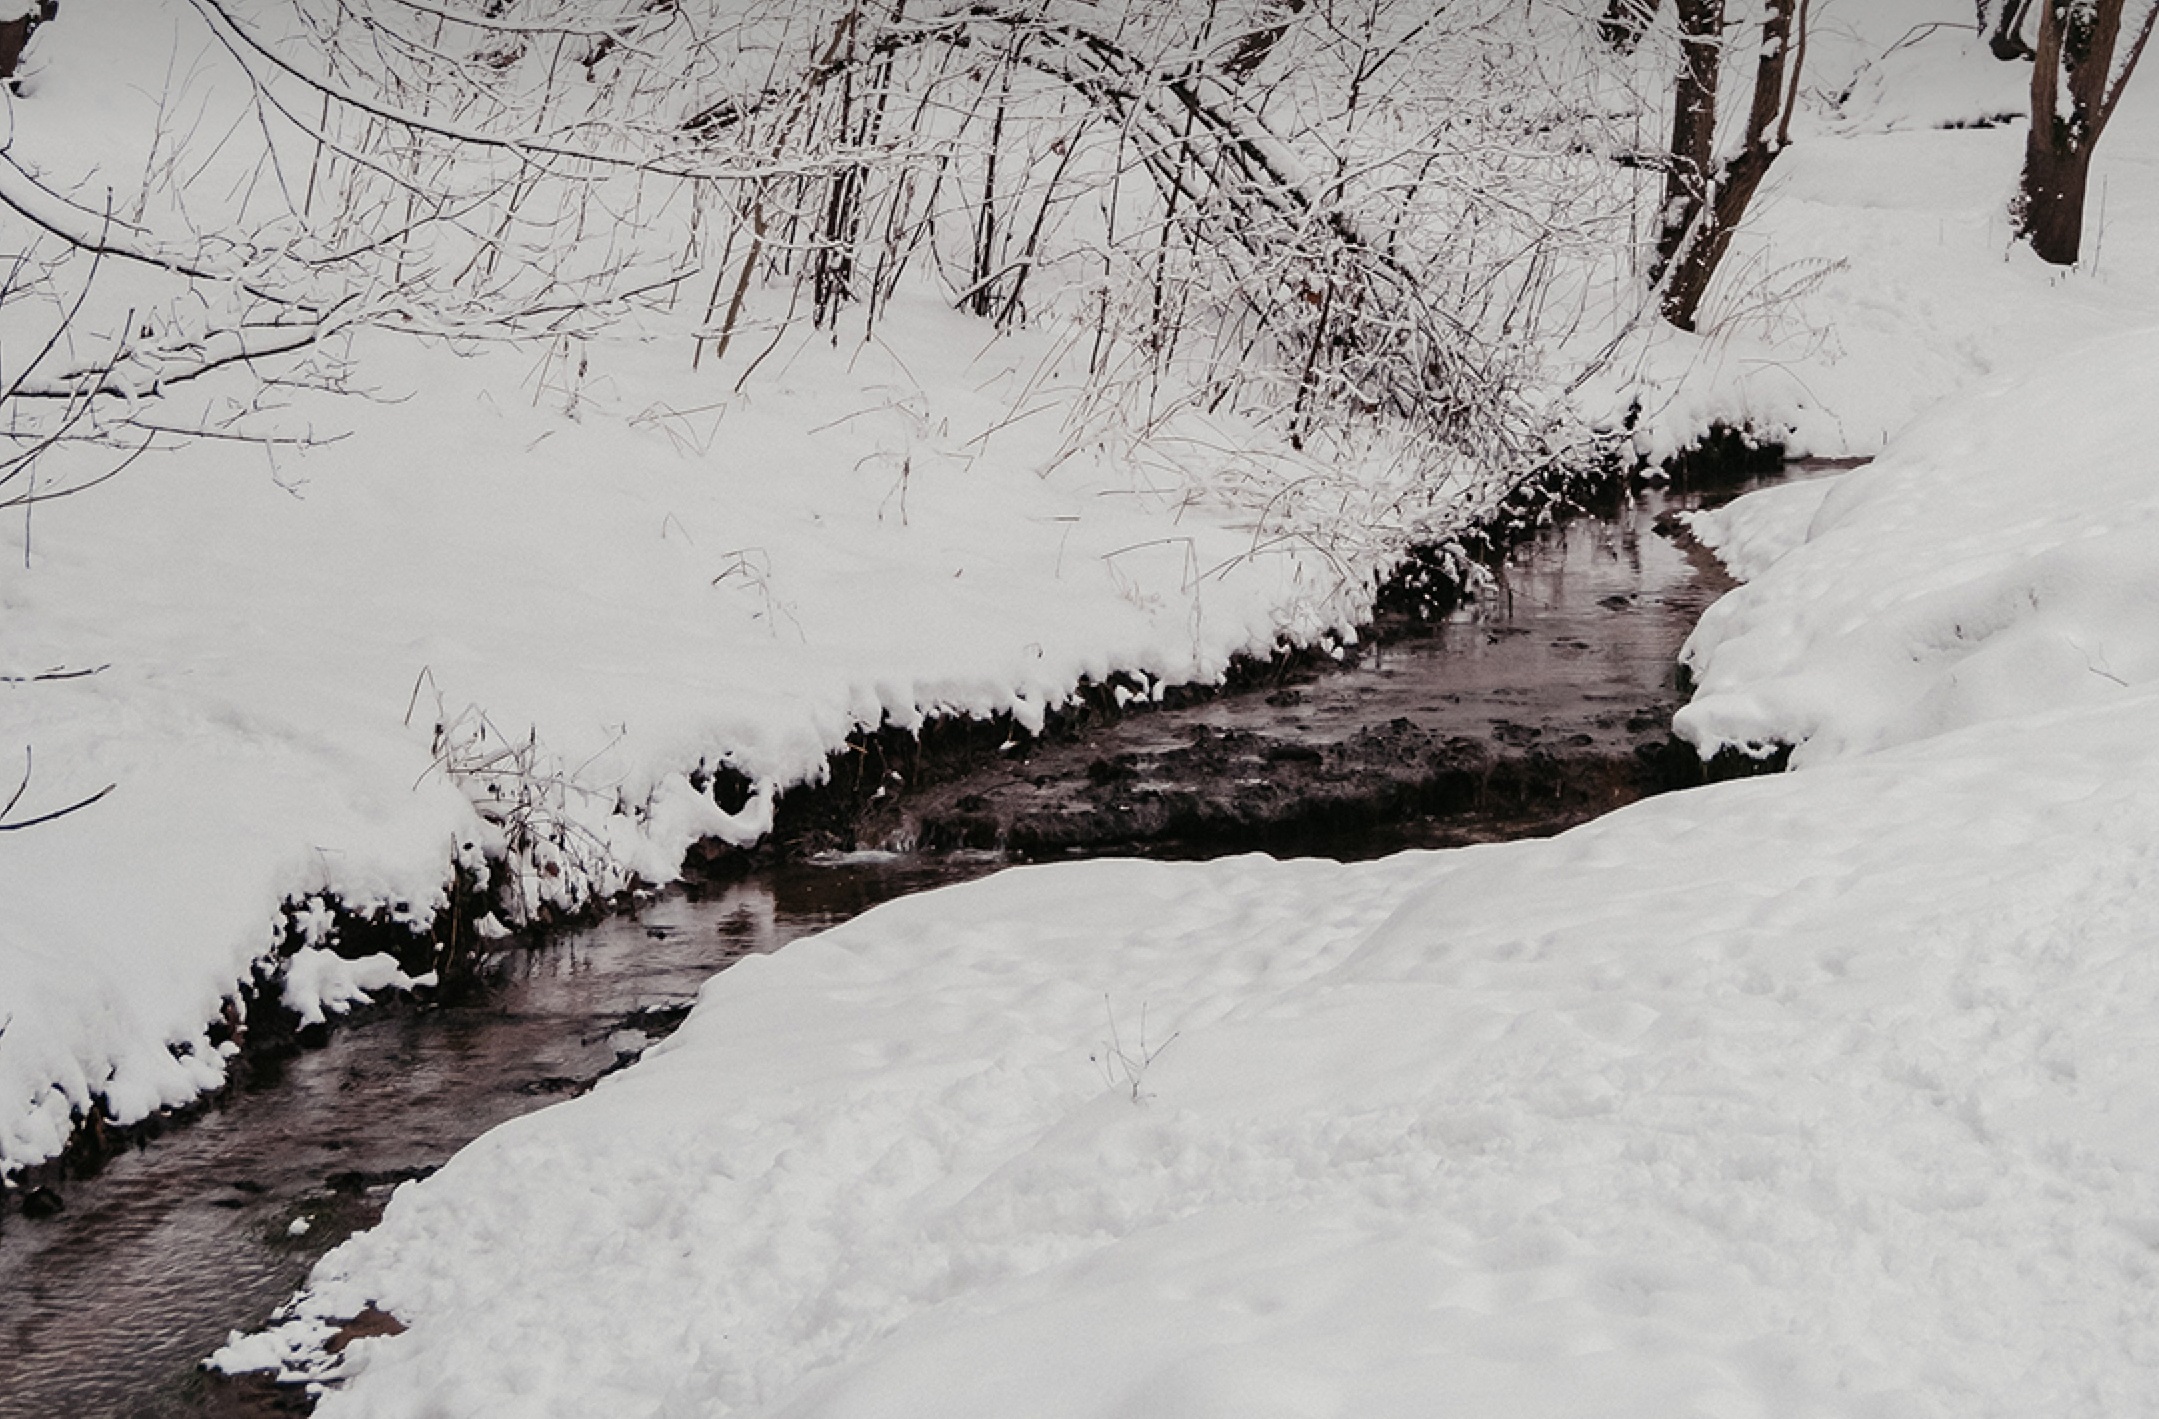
1694,127
14,34
1624,21
1682,298
2051,200
2074,90
1699,248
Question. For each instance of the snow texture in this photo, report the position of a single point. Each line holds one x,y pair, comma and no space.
308,667
1823,1094
1999,561
299,659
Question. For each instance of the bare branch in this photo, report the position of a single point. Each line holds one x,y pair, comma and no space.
20,788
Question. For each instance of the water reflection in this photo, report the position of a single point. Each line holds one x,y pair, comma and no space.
106,1309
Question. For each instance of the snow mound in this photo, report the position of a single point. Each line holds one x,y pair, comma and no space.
1824,1094
1821,1094
2001,559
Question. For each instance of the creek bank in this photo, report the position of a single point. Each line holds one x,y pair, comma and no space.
108,1307
1287,754
1536,700
1487,720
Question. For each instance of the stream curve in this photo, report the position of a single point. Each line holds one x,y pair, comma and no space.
1537,705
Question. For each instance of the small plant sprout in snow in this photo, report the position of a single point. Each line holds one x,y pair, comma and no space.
1127,1069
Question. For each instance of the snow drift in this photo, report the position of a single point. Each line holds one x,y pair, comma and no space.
1822,1094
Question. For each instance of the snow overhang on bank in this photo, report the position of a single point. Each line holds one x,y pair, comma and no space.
572,630
1999,560
1824,1093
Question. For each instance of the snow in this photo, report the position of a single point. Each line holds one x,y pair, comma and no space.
553,587
321,983
600,568
1818,1095
2037,506
302,683
1877,275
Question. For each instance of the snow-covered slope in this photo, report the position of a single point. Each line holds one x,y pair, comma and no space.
556,581
1876,273
308,669
613,569
2001,559
1822,1094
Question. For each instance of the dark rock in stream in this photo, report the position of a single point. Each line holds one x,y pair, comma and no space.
42,1202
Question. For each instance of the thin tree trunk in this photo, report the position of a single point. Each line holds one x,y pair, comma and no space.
1694,127
1768,130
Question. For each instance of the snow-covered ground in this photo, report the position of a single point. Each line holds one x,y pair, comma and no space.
307,670
616,569
1821,1094
1876,274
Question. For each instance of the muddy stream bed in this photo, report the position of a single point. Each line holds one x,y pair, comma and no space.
1542,704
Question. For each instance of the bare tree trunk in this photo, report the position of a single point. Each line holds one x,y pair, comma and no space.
2051,196
1694,127
15,34
1702,247
2075,63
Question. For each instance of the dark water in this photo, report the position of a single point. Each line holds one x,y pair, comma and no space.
106,1309
1542,703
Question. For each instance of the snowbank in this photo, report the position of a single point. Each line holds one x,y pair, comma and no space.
1821,1094
2001,559
606,571
513,603
312,671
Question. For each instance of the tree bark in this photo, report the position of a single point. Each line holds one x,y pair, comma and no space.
2074,91
1701,246
1624,22
2051,217
14,34
1694,127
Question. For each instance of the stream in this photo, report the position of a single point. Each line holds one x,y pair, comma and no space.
1541,704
